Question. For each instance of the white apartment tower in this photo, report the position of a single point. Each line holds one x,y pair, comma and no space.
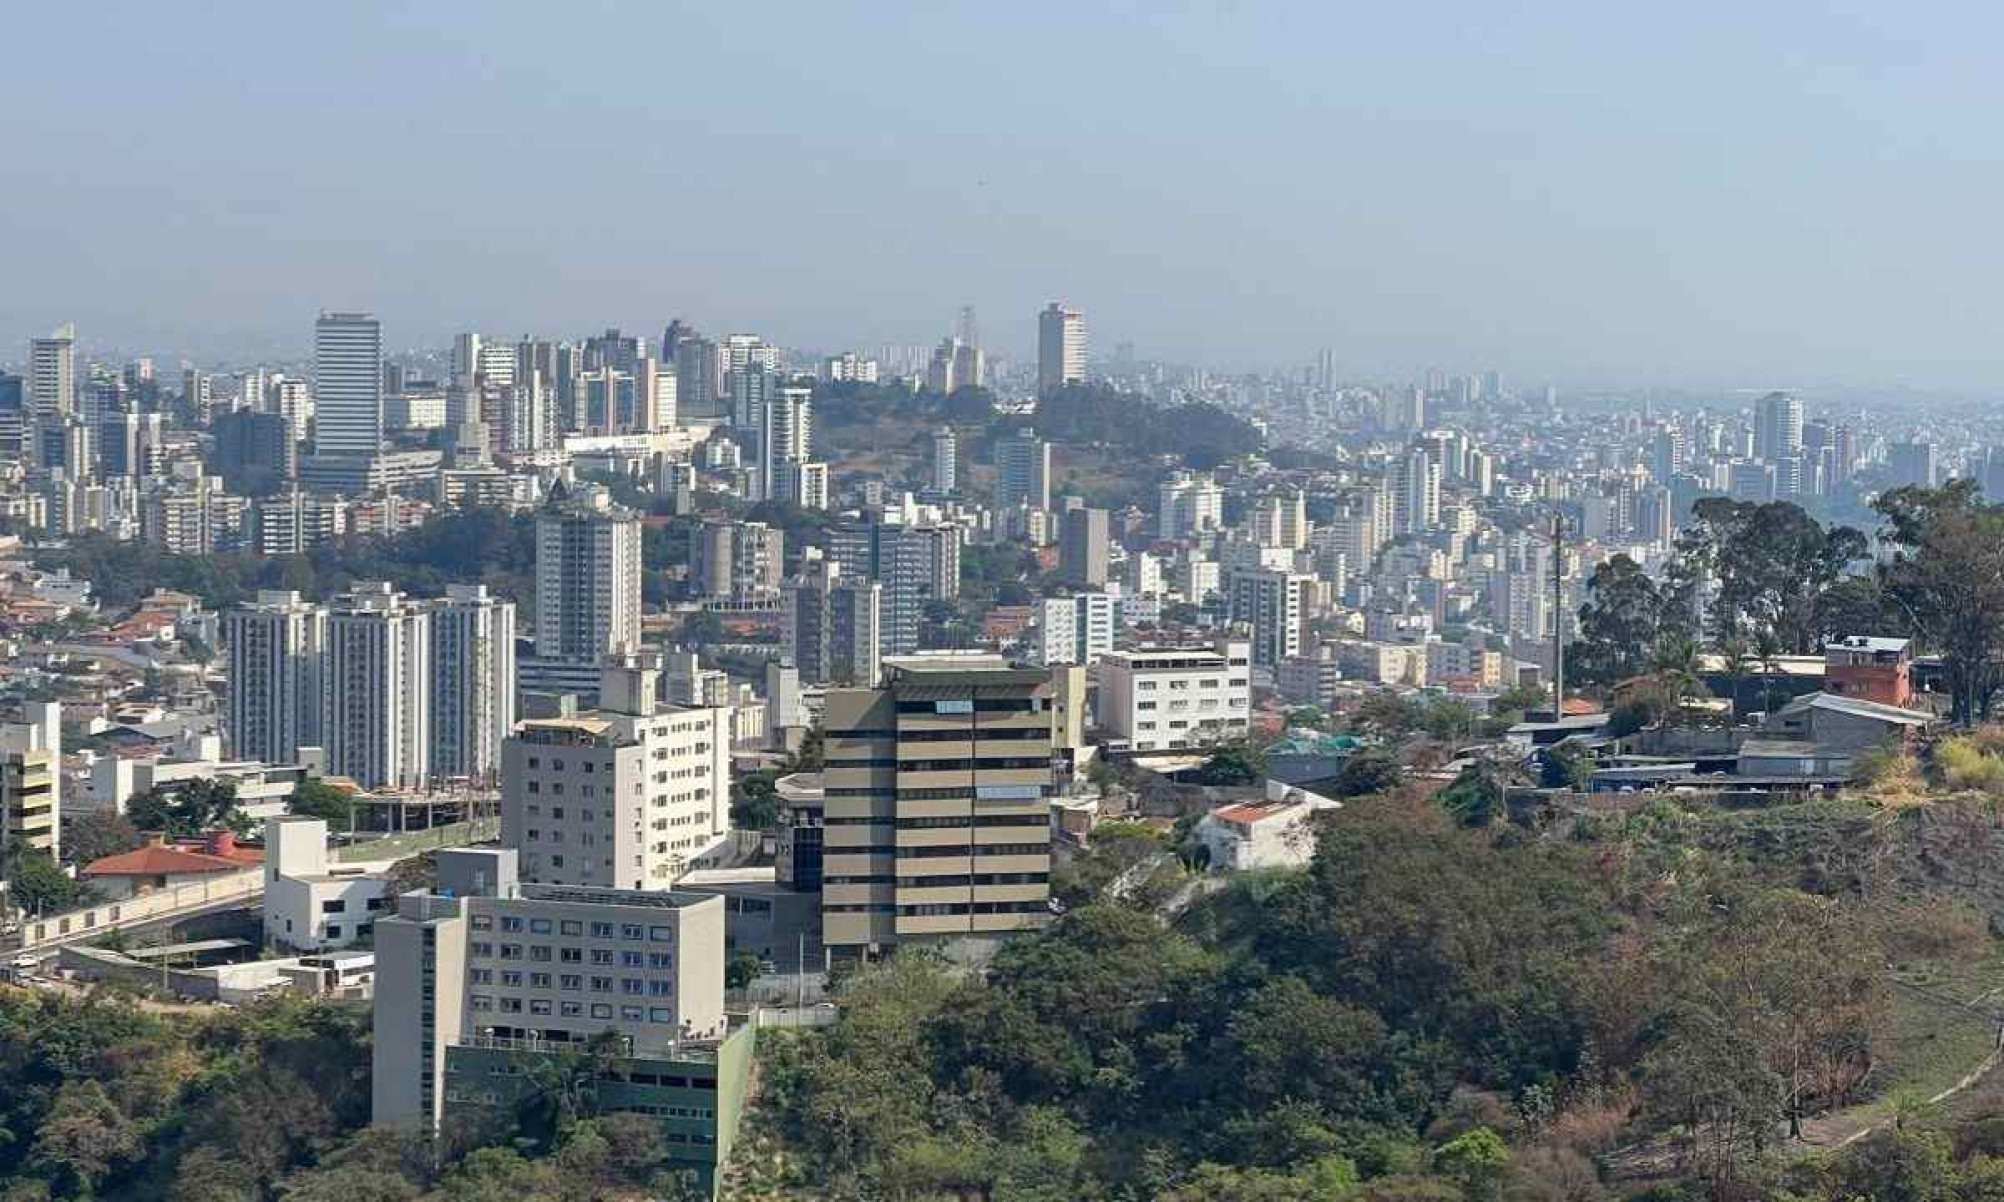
787,437
274,649
472,682
622,797
1415,482
1061,347
587,578
376,688
348,384
1077,629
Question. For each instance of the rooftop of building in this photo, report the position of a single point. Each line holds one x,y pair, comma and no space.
218,852
1868,642
1856,707
672,899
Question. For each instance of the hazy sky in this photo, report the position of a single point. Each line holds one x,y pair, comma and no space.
1735,193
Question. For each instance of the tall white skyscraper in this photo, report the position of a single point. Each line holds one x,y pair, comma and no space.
274,648
786,436
375,714
348,384
1778,434
52,374
1061,347
472,681
587,578
1415,493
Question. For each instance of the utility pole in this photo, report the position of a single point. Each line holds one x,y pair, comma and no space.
1558,616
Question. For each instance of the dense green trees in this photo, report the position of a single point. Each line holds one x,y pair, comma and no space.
1625,615
1771,564
1318,1034
190,808
1947,577
35,882
99,1099
318,799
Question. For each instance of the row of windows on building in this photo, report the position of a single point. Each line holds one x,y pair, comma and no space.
631,932
943,822
576,983
944,882
542,1006
938,910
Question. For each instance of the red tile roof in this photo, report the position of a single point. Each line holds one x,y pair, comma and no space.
159,861
215,852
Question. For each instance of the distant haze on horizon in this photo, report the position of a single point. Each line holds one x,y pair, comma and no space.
1704,195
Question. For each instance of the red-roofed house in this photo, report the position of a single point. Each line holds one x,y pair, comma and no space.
1274,832
163,865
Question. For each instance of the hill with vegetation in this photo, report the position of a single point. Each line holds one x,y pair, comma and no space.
1668,1001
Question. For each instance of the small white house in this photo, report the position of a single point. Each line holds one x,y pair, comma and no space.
1276,832
311,905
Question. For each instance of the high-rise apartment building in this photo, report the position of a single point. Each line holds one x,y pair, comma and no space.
1189,503
1061,347
1084,547
1778,432
375,716
255,452
348,384
1275,603
916,565
274,648
131,445
1023,471
953,840
587,577
786,438
489,984
1415,486
833,626
1077,629
625,796
741,561
472,682
52,374
945,461
698,383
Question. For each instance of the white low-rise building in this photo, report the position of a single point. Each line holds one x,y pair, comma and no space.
310,904
1164,698
1275,833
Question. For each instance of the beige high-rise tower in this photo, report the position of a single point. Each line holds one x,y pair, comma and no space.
938,791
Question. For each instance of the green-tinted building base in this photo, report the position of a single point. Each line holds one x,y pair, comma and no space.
696,1096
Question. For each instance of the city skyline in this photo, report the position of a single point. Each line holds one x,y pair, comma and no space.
1572,194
